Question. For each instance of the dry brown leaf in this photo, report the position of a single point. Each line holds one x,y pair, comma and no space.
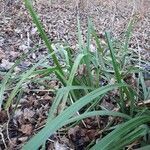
14,54
23,139
28,114
6,64
3,116
59,146
107,105
2,54
26,129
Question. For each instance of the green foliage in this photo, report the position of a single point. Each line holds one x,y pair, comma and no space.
123,135
6,80
54,124
84,90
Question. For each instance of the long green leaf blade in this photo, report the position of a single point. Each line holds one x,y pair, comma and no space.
60,120
42,32
123,130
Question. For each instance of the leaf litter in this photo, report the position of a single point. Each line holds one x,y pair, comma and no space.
18,35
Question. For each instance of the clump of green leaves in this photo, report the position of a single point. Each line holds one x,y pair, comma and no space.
85,90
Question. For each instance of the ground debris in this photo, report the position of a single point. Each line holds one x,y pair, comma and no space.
19,35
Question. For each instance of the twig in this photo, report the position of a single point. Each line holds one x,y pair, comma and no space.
7,130
3,139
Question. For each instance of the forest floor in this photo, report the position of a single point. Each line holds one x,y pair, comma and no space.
18,35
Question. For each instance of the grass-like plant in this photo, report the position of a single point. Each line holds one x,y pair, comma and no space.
85,91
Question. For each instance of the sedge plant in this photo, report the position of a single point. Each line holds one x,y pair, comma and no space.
85,91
